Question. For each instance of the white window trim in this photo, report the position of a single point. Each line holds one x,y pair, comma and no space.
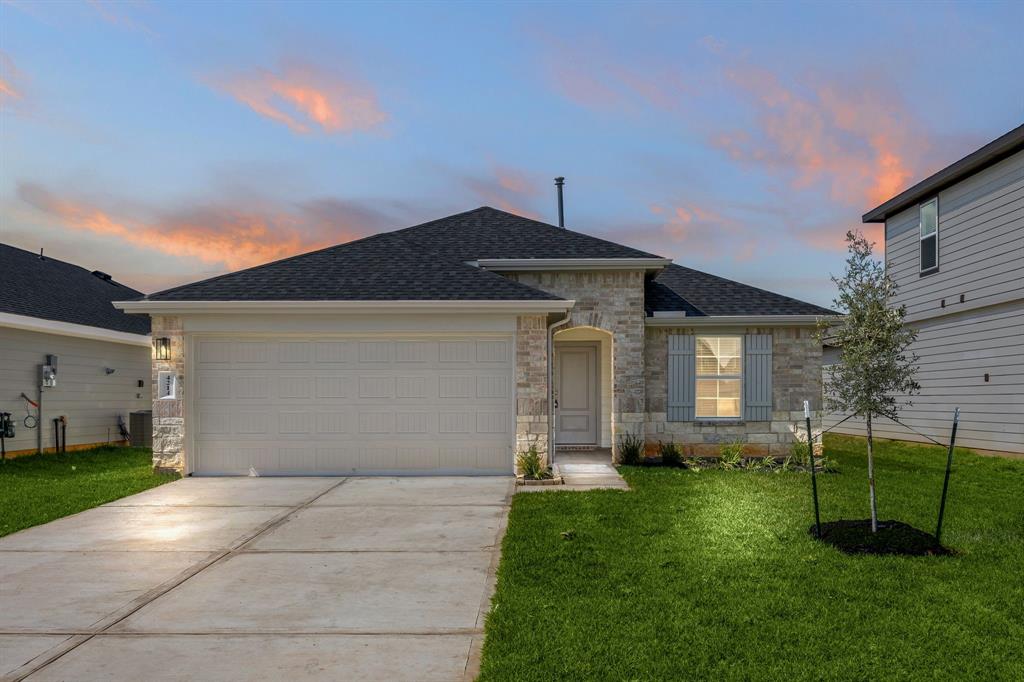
697,376
921,237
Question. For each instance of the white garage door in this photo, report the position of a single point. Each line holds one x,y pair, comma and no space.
303,406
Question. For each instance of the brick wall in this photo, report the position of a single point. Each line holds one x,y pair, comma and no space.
611,300
168,415
796,376
531,383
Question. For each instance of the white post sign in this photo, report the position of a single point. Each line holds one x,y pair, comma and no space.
167,385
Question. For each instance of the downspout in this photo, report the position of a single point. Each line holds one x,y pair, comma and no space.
551,388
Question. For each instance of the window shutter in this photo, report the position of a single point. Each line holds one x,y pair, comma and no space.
757,377
681,377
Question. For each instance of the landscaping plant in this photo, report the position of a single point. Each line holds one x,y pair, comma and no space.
730,454
531,464
876,363
671,455
631,448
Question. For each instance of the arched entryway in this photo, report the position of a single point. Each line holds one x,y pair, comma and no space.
582,388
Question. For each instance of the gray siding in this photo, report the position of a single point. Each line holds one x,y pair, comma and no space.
89,397
981,256
956,352
981,245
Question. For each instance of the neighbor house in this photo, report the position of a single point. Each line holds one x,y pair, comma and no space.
59,315
954,244
452,345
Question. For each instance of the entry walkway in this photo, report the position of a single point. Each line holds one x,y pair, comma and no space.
584,470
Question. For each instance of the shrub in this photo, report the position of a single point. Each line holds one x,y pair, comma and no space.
730,454
671,456
766,463
692,463
631,448
531,464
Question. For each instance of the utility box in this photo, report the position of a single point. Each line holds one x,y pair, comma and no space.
140,425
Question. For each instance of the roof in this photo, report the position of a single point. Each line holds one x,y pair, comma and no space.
423,262
429,262
486,232
995,151
699,294
384,267
50,289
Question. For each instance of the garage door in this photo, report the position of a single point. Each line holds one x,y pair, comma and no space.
303,406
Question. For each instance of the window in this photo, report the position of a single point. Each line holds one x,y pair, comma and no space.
719,365
929,213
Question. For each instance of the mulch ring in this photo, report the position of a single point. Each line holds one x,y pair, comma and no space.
893,537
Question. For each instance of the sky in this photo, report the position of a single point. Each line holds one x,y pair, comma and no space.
169,142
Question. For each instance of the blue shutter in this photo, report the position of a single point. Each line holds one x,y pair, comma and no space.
681,378
757,377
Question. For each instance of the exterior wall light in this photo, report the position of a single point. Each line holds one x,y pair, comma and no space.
162,348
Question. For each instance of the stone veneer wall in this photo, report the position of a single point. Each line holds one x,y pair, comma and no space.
796,376
168,415
531,383
611,300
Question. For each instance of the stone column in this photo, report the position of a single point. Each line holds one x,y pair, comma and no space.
168,414
532,384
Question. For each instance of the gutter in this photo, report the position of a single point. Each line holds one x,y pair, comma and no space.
81,331
733,320
367,307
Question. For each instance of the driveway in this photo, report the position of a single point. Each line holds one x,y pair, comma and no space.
258,579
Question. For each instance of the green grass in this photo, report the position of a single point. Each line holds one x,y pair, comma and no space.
713,575
40,488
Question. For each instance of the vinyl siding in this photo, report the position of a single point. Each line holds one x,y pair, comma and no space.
90,398
956,352
981,245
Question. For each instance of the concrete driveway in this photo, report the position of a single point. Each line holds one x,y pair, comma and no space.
258,579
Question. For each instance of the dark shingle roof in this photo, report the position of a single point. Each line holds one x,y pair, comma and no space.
428,262
699,294
384,267
50,289
424,262
486,232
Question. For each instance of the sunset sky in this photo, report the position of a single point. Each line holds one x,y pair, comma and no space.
165,143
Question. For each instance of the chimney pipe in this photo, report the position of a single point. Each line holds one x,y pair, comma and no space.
559,183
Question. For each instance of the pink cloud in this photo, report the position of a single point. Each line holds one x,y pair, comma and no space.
305,98
221,234
507,188
858,140
10,79
597,79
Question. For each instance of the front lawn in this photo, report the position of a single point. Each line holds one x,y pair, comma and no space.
713,575
40,488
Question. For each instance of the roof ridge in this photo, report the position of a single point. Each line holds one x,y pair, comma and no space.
533,221
51,259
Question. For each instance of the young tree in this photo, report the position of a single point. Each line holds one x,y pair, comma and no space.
876,364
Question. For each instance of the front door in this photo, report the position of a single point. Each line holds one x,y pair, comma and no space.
576,394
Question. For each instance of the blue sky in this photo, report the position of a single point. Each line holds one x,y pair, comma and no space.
165,142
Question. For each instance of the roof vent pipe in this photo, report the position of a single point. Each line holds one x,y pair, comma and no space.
559,183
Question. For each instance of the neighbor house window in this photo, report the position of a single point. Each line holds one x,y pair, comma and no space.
719,366
930,236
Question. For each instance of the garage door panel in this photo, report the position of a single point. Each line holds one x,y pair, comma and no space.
349,406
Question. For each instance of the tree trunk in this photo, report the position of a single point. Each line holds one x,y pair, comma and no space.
871,479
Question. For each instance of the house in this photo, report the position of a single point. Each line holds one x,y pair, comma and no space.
954,244
450,346
60,315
